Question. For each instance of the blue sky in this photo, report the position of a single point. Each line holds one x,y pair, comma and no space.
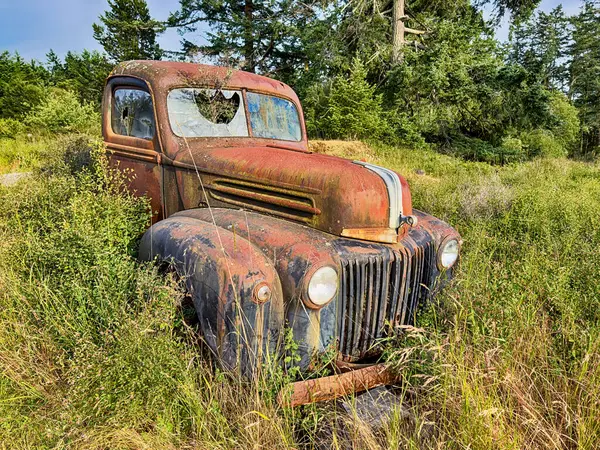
34,26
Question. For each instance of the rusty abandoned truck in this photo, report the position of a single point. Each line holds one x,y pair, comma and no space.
267,235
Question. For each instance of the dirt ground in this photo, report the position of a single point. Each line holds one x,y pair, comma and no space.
11,179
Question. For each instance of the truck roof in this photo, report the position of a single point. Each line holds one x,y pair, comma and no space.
162,76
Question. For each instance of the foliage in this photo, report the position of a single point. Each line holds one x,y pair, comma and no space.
584,72
542,143
450,86
83,73
21,154
265,36
539,45
21,86
61,112
519,9
11,128
128,32
566,127
349,107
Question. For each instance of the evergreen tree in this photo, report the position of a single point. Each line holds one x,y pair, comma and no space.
127,31
255,35
584,72
83,73
518,9
21,85
540,45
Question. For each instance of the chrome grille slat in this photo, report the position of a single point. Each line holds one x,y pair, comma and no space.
405,287
366,330
343,316
376,289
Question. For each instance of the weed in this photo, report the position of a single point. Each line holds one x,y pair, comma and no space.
94,352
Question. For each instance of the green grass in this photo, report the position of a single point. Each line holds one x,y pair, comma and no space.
19,155
94,352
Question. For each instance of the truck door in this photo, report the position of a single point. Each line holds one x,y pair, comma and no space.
129,129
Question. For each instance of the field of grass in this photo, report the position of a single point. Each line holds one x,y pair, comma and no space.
18,155
94,352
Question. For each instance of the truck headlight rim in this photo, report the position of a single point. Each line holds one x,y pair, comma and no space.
262,293
448,253
321,287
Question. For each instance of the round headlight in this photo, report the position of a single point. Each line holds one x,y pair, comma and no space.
448,253
322,286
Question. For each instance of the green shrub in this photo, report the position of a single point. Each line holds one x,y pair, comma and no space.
22,85
21,154
512,145
474,149
11,128
61,112
567,127
348,108
542,143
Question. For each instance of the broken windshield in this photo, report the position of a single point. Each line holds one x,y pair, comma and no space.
207,113
197,112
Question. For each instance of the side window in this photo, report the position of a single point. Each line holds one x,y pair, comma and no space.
132,113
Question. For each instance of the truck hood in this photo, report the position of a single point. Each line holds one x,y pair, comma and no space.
335,195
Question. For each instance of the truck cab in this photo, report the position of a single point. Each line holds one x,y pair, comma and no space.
267,235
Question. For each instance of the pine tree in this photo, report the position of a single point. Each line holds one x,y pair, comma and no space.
540,45
584,72
255,35
128,31
85,73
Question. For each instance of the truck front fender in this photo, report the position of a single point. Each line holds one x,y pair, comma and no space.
223,272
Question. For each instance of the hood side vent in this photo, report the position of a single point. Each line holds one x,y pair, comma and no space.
268,199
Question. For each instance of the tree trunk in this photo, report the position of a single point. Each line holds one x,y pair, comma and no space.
249,63
398,31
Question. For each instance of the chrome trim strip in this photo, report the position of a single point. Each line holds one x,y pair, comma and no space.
394,188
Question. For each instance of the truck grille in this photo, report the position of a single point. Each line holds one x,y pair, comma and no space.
379,291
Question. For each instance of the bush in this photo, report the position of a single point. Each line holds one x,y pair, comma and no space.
567,126
11,128
512,145
474,149
21,154
61,112
543,143
348,108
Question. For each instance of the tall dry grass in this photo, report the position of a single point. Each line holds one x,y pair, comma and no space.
95,351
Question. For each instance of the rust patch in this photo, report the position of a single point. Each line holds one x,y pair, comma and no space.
335,386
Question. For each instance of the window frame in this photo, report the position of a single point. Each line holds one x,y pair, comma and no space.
144,147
